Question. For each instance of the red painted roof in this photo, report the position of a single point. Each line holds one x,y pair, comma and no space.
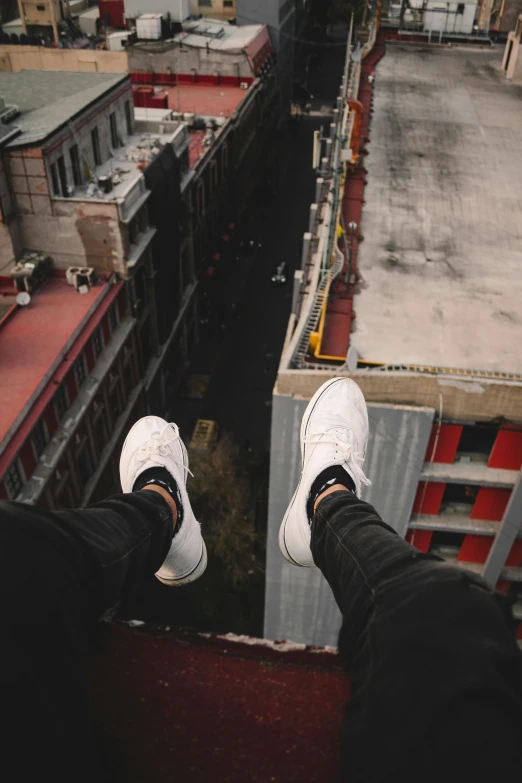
208,100
217,710
33,337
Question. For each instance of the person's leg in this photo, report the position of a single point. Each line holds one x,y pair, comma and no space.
436,670
437,674
59,571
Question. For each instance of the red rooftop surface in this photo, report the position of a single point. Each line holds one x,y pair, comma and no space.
204,99
32,339
200,710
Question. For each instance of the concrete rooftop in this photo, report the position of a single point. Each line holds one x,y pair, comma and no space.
441,260
49,99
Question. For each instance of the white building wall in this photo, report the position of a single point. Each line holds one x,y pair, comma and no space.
179,10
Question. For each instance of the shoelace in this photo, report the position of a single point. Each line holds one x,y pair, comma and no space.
353,459
157,446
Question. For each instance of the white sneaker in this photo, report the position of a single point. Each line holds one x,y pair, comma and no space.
334,431
153,442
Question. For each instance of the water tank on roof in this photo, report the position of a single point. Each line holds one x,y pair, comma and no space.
189,118
179,10
148,27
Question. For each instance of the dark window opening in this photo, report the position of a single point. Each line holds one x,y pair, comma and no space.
460,8
64,496
114,130
62,174
40,8
113,316
60,402
228,3
75,164
39,438
477,441
128,117
55,181
458,499
83,467
114,403
97,342
95,139
79,371
100,433
443,538
13,481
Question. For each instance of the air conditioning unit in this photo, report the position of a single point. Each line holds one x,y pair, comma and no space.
243,85
81,277
8,113
30,272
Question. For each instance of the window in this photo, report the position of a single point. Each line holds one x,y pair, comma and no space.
206,3
128,118
97,342
476,441
79,371
228,3
95,139
39,438
13,481
62,174
75,165
55,181
100,433
113,316
201,199
40,8
83,467
60,402
224,161
460,8
114,130
114,403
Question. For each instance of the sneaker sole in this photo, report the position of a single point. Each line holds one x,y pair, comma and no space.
306,418
196,572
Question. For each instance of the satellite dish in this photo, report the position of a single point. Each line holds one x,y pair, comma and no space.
352,358
23,298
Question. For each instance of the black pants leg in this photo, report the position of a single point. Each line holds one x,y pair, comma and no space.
437,673
59,571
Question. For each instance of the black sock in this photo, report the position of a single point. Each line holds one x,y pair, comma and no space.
335,474
162,478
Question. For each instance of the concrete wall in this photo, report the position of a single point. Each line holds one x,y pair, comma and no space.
184,60
78,233
298,601
512,62
461,398
38,58
280,17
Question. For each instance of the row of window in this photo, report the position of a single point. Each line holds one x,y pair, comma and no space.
59,180
217,172
209,3
62,399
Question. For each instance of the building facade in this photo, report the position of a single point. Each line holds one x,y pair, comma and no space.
280,18
443,384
